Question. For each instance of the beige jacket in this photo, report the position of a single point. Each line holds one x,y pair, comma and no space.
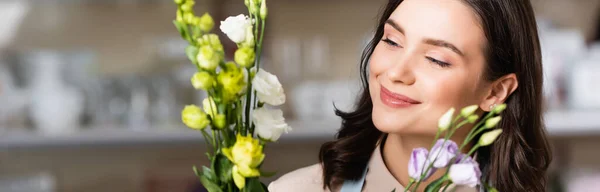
309,179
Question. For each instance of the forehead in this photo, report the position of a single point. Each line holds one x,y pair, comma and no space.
448,20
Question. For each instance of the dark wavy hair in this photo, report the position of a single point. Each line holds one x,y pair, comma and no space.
519,159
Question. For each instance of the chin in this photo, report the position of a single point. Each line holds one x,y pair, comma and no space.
390,123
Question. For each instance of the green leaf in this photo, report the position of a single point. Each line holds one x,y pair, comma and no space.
209,185
223,168
209,174
182,29
196,172
267,174
196,31
192,51
254,185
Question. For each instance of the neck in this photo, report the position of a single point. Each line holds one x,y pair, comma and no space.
397,150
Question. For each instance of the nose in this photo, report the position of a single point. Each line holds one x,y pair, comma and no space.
403,70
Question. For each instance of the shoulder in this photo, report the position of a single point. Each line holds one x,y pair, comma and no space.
303,179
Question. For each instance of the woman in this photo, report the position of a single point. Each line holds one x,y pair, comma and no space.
426,57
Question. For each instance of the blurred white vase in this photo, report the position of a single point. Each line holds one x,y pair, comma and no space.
56,107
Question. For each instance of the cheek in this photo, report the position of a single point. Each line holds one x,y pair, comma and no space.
448,90
380,61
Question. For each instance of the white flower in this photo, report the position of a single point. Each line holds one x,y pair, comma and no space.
268,89
489,137
466,173
270,123
446,120
235,27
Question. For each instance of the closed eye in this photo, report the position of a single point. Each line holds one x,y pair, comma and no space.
438,62
391,43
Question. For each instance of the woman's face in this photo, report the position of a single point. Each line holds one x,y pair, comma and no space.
430,59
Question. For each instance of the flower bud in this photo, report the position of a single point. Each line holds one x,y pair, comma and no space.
244,57
233,83
263,9
203,80
467,111
499,108
489,137
194,118
179,17
492,122
214,42
446,120
472,118
253,7
179,2
188,6
206,23
189,18
208,58
220,121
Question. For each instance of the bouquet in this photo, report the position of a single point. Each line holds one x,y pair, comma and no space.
234,120
444,153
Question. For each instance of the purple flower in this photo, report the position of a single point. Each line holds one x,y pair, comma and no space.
418,163
443,152
466,172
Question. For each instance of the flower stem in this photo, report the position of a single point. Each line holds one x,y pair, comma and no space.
248,104
410,184
475,128
207,138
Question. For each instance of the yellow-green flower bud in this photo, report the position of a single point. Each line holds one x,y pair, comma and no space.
179,2
220,121
203,80
206,23
247,3
244,57
446,120
213,41
207,58
189,18
193,117
188,6
489,137
467,111
179,17
233,83
231,66
263,9
253,6
210,107
499,108
492,122
472,118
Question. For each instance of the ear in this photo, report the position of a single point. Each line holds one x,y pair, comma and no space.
499,91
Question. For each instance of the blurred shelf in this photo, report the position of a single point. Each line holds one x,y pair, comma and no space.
558,124
573,123
107,136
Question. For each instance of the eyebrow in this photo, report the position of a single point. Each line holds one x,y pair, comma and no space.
434,42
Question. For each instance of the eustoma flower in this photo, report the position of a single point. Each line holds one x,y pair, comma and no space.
466,172
418,164
270,123
443,151
268,89
235,27
246,154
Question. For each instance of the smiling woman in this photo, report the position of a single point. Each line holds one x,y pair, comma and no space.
425,58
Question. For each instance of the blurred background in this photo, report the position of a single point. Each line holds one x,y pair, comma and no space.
91,91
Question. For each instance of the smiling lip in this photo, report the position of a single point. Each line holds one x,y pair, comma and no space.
396,100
